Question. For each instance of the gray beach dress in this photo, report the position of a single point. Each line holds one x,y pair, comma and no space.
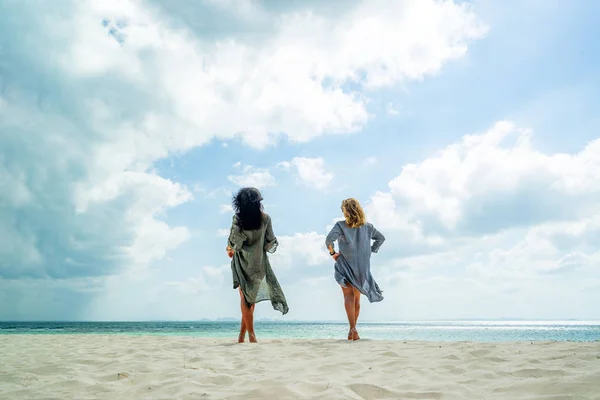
353,266
250,265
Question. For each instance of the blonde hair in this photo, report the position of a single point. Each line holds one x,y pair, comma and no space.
353,212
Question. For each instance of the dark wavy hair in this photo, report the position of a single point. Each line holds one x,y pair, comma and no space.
248,208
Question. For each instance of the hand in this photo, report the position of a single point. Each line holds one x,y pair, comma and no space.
230,252
335,256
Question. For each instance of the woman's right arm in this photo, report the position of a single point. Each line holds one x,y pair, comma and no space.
236,236
333,235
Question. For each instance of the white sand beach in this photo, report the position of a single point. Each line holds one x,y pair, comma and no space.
170,367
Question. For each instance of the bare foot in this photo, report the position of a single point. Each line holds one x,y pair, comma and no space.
242,337
252,338
350,334
354,334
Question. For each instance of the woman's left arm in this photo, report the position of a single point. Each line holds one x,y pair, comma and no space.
378,240
270,239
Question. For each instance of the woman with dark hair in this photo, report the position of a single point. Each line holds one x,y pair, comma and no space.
250,239
357,239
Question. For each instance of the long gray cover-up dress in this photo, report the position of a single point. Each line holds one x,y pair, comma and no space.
354,263
250,264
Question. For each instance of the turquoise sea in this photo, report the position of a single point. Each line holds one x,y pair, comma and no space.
482,331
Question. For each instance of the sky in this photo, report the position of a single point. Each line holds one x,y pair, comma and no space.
469,131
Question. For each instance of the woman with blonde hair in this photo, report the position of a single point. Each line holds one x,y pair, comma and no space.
357,239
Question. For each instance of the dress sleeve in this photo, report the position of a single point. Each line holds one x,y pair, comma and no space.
333,235
270,239
378,240
236,236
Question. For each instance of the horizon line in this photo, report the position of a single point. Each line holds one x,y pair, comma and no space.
231,319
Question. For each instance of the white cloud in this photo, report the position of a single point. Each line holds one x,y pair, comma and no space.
549,248
226,208
494,220
382,212
221,192
301,249
243,9
497,173
283,77
111,87
209,278
253,177
182,90
223,232
181,299
311,171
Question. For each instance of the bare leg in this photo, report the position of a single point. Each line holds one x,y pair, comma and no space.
350,310
247,317
356,312
251,334
242,336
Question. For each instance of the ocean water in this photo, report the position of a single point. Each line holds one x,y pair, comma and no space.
481,331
